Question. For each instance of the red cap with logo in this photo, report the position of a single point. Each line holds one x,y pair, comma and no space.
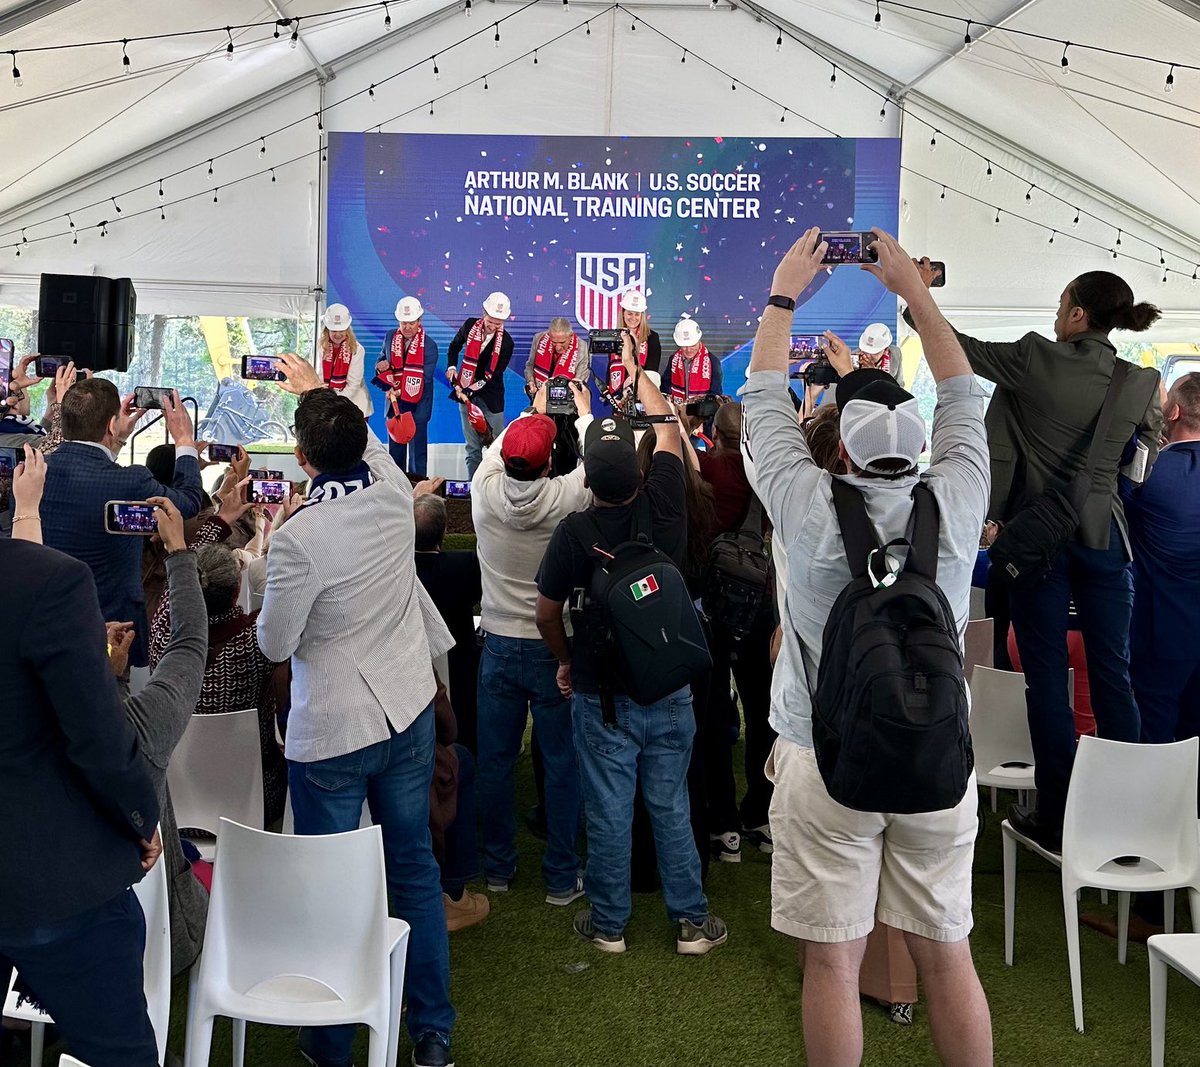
527,443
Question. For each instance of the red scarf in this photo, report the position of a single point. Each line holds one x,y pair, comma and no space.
335,365
616,369
546,364
699,375
407,371
470,361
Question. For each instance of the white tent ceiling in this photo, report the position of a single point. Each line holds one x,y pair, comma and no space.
1107,139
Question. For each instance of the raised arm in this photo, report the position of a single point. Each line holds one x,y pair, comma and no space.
666,434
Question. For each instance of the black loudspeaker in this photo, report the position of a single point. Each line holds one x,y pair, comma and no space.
89,320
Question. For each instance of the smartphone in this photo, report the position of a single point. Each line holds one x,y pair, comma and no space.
940,280
262,369
265,475
457,490
704,408
151,396
269,491
6,363
9,458
47,366
221,453
133,517
848,247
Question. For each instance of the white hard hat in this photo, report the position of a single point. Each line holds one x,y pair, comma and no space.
687,332
498,306
337,317
634,301
409,309
875,338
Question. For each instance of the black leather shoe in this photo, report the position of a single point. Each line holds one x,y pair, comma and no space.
1029,824
432,1051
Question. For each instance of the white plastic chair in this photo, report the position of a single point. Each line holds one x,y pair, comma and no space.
977,609
70,1061
216,770
978,645
298,935
151,892
1181,951
1124,800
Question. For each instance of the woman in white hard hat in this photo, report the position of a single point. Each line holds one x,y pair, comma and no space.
693,372
405,371
635,319
875,349
342,357
485,347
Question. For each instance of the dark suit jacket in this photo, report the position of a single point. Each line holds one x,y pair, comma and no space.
80,479
74,788
1040,419
454,584
423,409
491,396
1164,526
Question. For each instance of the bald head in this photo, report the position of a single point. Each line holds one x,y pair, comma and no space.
429,517
727,424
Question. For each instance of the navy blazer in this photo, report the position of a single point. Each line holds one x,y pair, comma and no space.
74,788
491,396
1164,530
423,409
80,479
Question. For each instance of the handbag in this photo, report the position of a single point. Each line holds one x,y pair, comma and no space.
1031,540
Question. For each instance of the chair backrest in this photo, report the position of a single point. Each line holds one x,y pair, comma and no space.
70,1061
151,892
1133,800
999,723
306,906
216,770
977,645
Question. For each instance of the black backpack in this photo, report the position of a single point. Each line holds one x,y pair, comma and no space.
889,719
737,576
642,615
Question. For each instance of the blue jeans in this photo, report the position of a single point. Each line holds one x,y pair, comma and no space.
86,971
517,676
1101,582
460,861
413,458
473,441
658,738
393,777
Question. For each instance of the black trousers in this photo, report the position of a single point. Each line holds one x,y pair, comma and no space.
86,972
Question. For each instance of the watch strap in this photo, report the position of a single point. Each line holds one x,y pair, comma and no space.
785,302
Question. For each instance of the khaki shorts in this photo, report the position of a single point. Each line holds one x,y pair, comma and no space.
835,871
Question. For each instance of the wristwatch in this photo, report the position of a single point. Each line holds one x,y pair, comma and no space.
785,302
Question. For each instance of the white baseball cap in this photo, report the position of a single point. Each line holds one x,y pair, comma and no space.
498,306
409,309
687,332
337,317
880,421
875,338
634,301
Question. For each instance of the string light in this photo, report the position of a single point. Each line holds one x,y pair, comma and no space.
833,76
943,196
989,170
1164,281
229,47
784,115
210,170
278,24
320,122
535,52
162,212
387,16
115,204
18,251
883,113
1064,62
933,141
262,147
733,87
588,25
104,229
1075,220
779,40
371,91
1169,85
272,174
566,6
496,39
296,30
633,26
878,16
1119,238
1195,273
70,221
127,69
24,239
1053,234
683,58
215,191
485,84
1029,193
160,190
16,73
967,39
1162,262
75,238
467,9
997,216
431,107
437,74
1114,252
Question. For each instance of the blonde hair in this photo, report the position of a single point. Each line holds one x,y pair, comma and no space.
643,330
349,337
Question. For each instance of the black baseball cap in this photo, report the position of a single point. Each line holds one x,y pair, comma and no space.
610,460
850,385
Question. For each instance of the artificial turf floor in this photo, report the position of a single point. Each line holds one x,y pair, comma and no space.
530,993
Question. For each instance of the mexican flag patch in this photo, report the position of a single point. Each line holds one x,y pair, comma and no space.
644,588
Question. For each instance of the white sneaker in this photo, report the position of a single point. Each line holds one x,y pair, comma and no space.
726,847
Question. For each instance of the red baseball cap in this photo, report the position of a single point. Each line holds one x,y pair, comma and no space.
527,444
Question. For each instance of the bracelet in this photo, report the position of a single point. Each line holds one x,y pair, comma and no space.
22,518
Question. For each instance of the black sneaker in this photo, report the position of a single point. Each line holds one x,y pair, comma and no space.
432,1050
604,942
696,940
726,847
759,838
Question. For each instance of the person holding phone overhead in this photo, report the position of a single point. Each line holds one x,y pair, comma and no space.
342,357
694,373
404,372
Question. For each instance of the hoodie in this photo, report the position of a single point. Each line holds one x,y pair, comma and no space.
513,523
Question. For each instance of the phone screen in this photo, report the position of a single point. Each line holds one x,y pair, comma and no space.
47,366
222,453
6,365
458,489
269,491
126,517
9,458
261,369
843,248
940,279
150,396
266,476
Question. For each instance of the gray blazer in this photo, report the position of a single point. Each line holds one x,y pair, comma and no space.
1040,419
583,361
159,714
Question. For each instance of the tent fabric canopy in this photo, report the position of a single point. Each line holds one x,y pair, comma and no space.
1106,139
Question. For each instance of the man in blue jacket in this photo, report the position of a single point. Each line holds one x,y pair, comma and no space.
405,372
1164,517
83,475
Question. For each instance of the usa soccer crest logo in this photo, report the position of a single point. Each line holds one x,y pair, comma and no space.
601,279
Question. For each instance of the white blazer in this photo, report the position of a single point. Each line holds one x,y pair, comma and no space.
343,600
356,385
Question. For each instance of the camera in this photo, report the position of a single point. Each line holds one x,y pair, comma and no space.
559,400
605,342
704,408
819,372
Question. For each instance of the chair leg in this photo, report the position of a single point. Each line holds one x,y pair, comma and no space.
994,800
1158,1008
199,1040
239,1042
37,1043
1010,895
1122,926
1194,907
1071,921
377,1047
1169,911
1103,896
397,960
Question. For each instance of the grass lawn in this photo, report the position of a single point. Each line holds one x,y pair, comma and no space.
529,993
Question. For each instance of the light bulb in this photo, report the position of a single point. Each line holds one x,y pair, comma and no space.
1169,85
